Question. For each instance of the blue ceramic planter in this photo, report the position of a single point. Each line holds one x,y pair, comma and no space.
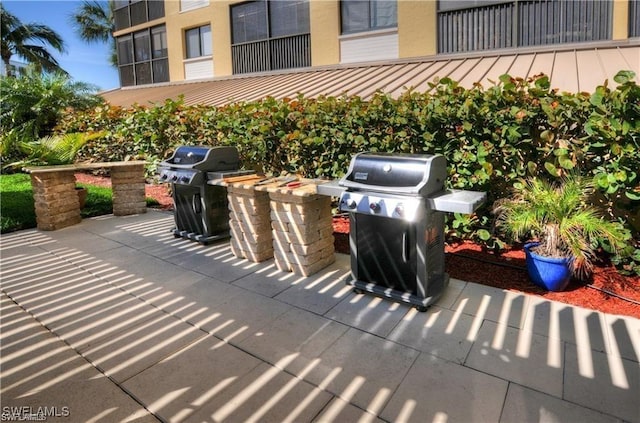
550,273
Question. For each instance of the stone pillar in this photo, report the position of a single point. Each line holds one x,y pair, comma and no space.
55,199
249,223
127,183
302,232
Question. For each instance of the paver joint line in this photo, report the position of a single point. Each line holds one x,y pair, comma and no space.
507,349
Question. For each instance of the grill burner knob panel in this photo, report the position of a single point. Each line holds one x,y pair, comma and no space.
395,207
181,176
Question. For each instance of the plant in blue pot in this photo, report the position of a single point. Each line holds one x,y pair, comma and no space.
565,227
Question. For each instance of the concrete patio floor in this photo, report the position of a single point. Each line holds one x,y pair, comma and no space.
114,320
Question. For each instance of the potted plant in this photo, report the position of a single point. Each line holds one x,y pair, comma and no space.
566,229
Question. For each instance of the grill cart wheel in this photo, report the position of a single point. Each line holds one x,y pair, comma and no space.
422,309
358,291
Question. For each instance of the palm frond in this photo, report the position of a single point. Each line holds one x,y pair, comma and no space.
558,215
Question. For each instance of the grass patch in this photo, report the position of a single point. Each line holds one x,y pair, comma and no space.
99,201
16,202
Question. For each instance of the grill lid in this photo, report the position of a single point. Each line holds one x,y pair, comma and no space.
204,158
414,174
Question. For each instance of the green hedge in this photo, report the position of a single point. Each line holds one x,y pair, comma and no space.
490,136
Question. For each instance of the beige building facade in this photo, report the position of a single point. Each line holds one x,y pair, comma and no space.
169,41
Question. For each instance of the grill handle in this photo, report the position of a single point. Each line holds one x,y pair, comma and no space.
405,246
197,204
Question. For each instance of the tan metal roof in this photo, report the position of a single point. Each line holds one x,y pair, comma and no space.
573,68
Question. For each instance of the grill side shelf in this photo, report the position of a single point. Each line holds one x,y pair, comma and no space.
457,201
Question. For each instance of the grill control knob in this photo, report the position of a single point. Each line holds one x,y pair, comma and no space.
400,210
375,207
351,203
185,179
174,178
164,176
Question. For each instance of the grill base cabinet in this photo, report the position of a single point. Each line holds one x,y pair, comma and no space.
398,259
201,213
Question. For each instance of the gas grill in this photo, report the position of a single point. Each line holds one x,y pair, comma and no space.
396,206
201,210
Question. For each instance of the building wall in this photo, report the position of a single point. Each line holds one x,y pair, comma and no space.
417,28
217,15
620,19
324,22
416,34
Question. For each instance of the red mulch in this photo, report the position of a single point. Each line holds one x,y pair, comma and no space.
159,192
470,262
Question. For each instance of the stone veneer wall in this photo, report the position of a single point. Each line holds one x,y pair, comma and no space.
56,200
127,183
250,223
302,232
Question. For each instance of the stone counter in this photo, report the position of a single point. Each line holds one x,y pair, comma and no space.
301,227
56,199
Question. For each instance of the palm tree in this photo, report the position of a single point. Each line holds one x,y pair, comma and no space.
31,105
17,39
560,216
94,23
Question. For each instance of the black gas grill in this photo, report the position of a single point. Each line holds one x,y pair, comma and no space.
396,204
201,212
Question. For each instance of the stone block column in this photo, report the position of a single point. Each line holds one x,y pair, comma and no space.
302,231
249,223
127,183
56,200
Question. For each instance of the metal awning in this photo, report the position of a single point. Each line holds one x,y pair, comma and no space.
572,68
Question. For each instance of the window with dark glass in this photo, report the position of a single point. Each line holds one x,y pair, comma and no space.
142,57
159,42
368,15
288,18
268,35
128,13
249,22
125,50
155,9
142,45
121,15
198,41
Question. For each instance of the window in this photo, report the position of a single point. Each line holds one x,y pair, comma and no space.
288,18
128,13
249,22
142,57
367,15
142,46
268,35
198,41
159,42
125,50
